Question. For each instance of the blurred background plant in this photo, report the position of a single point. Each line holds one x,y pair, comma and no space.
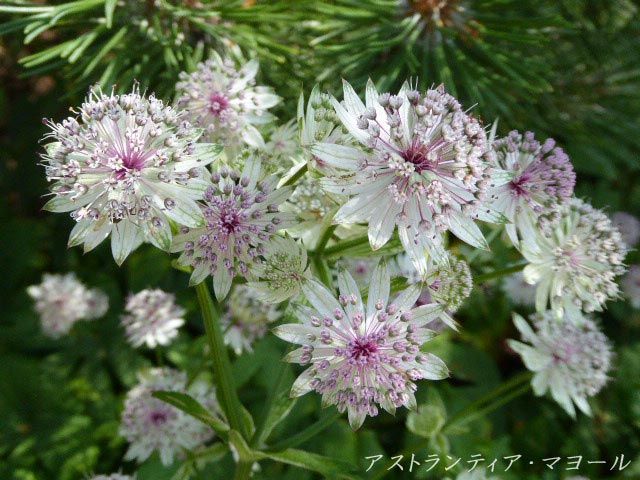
567,69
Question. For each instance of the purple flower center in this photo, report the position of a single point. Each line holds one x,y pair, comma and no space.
130,161
158,418
418,154
230,222
362,347
519,185
218,103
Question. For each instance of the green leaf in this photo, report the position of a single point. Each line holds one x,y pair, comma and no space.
427,421
328,467
190,406
109,8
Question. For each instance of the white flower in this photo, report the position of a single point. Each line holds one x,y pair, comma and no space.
247,319
542,181
126,167
629,227
282,270
422,166
575,262
569,359
362,356
241,215
283,145
518,290
153,318
62,300
149,424
224,101
631,285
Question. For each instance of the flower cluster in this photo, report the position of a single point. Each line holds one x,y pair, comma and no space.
629,227
569,358
575,262
361,355
241,213
125,167
62,300
425,168
542,182
153,318
225,102
149,424
247,319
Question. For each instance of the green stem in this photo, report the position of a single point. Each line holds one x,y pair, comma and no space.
326,236
323,272
499,273
296,176
226,387
311,431
339,247
243,470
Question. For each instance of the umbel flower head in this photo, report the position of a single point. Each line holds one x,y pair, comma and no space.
359,355
152,318
241,214
62,300
149,424
126,166
247,319
574,263
225,101
542,181
282,270
423,167
570,359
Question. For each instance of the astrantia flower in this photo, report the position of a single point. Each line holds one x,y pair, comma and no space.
62,300
283,146
424,168
247,319
282,270
224,101
574,264
149,424
542,182
629,227
241,215
631,285
360,269
362,356
570,359
125,167
153,318
518,290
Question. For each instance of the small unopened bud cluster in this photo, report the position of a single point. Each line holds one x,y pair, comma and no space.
450,284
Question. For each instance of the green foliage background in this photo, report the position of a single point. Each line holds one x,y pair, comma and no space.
567,69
